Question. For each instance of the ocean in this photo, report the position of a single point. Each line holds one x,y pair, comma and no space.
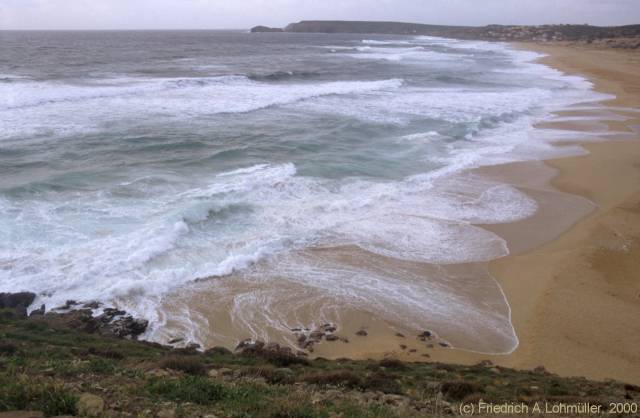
137,165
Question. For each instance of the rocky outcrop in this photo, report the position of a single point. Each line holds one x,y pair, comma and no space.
74,315
112,322
19,302
258,29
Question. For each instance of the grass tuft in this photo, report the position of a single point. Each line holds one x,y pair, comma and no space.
23,394
194,389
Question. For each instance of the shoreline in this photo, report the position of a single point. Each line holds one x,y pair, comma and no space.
582,189
575,298
579,320
564,318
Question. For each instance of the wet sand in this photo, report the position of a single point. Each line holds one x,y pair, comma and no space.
572,280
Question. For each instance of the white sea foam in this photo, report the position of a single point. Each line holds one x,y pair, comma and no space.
411,54
63,109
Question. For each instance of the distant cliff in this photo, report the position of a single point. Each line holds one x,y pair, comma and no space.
266,29
370,27
542,33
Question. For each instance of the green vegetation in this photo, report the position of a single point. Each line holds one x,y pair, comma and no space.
49,369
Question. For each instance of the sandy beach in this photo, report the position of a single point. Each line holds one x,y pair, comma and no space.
576,300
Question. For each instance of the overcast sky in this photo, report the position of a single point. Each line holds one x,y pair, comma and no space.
240,14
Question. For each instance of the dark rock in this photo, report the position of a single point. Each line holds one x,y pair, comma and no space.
316,335
540,370
413,350
425,335
127,327
632,388
110,313
12,300
246,343
362,333
332,337
193,347
399,335
38,312
302,338
112,322
19,302
402,346
175,340
443,345
328,328
92,305
67,305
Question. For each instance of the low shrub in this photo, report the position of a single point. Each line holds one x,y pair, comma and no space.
391,363
277,358
336,378
221,351
270,374
7,349
457,390
101,366
108,353
382,382
187,364
295,410
49,398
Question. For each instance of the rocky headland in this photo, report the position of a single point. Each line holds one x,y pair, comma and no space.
615,36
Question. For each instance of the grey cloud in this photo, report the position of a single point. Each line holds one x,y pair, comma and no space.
205,14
